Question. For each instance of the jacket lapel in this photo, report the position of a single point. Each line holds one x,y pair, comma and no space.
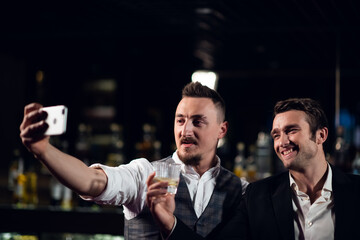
282,203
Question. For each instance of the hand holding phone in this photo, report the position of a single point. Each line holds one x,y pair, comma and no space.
56,119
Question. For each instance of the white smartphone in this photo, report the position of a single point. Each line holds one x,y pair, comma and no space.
56,119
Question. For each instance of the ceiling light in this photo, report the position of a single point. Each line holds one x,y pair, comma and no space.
207,78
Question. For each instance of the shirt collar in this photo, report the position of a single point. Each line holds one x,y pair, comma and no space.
186,169
327,188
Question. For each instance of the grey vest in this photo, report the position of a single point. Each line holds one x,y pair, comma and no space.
225,198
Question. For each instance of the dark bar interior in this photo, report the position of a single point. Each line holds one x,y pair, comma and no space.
119,67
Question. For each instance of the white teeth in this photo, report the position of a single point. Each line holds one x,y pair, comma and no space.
287,152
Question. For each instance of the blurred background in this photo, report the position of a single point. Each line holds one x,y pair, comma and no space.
119,66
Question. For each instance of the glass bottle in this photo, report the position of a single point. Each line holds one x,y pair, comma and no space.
239,161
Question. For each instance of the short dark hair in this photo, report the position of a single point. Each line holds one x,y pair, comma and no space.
315,114
197,90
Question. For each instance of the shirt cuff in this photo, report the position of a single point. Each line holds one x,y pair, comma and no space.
166,238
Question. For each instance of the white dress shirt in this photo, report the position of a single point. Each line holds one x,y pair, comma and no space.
127,185
317,220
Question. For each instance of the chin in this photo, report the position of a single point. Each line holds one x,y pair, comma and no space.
190,159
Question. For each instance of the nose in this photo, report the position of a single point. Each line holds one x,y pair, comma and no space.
187,130
284,140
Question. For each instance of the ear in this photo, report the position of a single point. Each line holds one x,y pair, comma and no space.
321,135
223,129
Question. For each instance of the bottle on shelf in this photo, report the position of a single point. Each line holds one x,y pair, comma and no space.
157,150
251,167
82,144
239,161
145,148
16,167
17,180
115,156
356,163
31,185
341,151
60,195
263,155
19,195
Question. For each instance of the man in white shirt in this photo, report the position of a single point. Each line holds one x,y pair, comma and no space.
312,200
207,193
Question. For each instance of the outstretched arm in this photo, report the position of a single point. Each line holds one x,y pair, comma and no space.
69,170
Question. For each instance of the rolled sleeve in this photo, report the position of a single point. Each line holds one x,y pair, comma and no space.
126,186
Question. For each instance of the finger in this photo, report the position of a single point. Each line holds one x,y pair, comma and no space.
157,192
33,117
31,107
157,186
149,181
157,200
35,131
153,201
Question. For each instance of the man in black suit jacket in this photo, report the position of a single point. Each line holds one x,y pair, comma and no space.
312,200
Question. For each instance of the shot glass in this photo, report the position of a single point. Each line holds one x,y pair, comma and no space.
168,172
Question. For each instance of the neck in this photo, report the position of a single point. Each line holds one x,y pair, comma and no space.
205,165
311,180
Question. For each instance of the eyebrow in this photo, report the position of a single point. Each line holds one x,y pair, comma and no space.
192,116
274,131
287,127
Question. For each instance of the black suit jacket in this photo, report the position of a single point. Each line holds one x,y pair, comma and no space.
266,211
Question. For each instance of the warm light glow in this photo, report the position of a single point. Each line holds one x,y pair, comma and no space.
39,76
206,78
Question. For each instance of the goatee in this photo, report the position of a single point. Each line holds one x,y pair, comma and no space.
192,160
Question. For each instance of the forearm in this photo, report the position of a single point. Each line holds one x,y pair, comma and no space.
72,172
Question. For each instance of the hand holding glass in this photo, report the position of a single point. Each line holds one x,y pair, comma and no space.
167,172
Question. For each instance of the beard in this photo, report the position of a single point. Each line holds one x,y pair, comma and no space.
190,159
187,157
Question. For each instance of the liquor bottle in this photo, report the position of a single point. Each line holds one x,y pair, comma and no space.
251,168
356,164
115,156
17,179
157,150
19,195
341,151
145,148
31,186
16,167
55,186
66,197
82,145
239,161
263,155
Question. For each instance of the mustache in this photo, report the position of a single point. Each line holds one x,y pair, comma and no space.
188,139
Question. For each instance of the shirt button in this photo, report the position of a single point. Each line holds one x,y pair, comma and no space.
310,223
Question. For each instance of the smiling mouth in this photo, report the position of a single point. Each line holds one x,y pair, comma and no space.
287,152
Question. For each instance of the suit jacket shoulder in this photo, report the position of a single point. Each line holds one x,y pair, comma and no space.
346,193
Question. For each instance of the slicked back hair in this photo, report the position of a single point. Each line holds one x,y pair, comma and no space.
197,90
